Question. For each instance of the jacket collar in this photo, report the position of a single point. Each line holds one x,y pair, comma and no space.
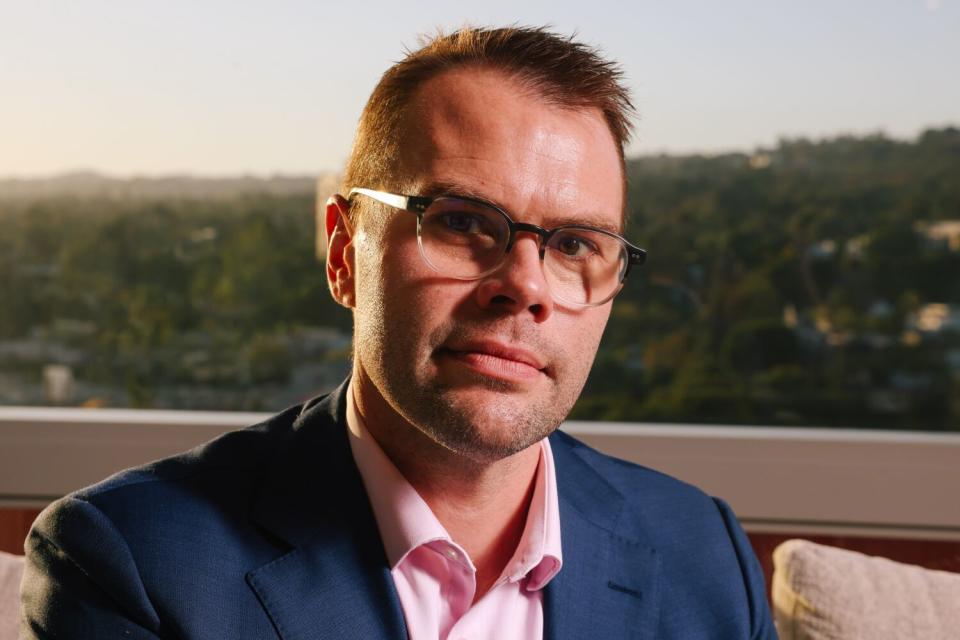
334,580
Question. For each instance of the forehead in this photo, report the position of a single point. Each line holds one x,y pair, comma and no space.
500,139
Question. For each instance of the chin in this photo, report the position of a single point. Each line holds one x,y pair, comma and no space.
481,448
486,432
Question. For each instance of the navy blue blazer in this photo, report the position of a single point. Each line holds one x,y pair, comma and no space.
267,532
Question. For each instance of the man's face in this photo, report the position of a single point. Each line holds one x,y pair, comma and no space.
488,367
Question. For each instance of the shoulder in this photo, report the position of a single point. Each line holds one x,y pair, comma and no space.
703,552
203,479
235,453
636,484
649,505
208,487
112,547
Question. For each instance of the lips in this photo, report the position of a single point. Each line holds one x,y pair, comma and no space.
497,359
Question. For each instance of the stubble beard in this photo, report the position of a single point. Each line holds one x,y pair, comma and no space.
450,415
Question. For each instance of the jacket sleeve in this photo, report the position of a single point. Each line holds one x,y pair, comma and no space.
761,622
80,579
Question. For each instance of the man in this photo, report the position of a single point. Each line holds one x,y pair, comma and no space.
478,246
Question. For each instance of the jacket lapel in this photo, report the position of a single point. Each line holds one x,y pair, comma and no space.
334,581
609,584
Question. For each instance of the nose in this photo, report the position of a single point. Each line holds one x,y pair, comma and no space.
518,285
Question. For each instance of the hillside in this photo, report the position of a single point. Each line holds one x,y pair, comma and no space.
813,283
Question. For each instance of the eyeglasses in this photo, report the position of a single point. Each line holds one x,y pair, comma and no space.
468,239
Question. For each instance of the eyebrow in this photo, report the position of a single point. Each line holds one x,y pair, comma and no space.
439,188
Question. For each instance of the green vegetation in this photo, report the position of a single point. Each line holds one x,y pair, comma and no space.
784,287
803,285
142,295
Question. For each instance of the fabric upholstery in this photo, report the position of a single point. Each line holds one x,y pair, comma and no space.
825,593
11,568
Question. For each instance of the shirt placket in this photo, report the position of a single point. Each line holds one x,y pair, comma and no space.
457,590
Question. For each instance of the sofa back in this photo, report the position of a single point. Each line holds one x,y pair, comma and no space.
11,569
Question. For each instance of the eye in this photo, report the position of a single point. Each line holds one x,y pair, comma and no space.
573,245
462,222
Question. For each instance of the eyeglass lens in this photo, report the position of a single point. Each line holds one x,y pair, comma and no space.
468,240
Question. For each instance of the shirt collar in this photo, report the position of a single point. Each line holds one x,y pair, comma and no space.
406,521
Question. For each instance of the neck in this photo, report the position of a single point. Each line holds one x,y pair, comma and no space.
482,505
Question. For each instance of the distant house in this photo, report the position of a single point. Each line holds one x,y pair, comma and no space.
759,160
944,235
856,247
822,250
936,318
880,309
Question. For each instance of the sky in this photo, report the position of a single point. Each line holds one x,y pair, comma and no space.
214,87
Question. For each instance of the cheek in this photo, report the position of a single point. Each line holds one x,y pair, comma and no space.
381,265
398,296
368,281
583,337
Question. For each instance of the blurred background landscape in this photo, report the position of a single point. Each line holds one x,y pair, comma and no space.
809,283
795,177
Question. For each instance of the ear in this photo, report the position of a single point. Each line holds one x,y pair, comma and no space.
341,267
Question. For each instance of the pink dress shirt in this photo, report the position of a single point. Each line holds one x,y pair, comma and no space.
434,576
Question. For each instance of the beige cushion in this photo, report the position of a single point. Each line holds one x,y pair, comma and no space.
824,593
11,568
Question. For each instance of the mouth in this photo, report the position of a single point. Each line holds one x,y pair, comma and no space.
496,360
